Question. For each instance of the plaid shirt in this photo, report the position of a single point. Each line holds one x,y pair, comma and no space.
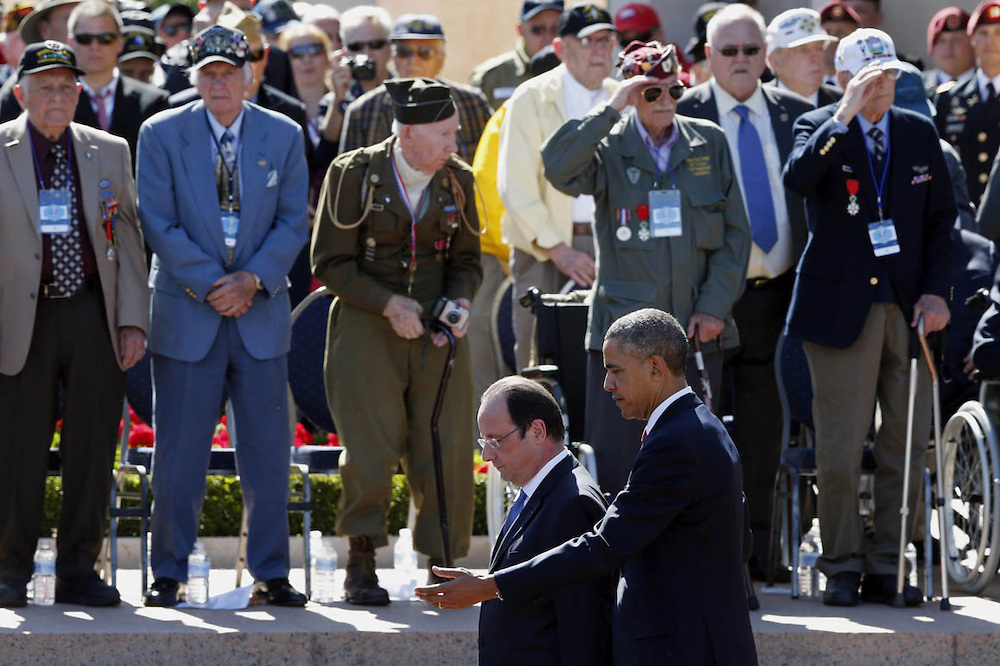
368,119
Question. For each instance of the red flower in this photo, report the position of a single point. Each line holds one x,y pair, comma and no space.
483,468
133,417
140,435
332,439
221,438
302,436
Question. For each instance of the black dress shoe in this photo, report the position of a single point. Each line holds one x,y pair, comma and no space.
842,589
278,592
12,595
87,590
163,593
881,589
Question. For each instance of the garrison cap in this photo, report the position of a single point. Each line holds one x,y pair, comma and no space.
420,101
417,26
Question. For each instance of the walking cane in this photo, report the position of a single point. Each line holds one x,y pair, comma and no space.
945,602
436,441
904,508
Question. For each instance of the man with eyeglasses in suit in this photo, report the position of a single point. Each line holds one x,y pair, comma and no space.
418,50
499,76
757,121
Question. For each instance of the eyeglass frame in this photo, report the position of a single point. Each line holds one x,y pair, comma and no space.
745,49
675,90
373,44
405,51
102,38
304,50
494,443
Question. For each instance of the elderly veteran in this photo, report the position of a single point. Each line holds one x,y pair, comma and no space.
389,255
670,231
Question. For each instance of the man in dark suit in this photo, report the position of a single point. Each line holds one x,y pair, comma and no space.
881,210
677,531
522,436
757,121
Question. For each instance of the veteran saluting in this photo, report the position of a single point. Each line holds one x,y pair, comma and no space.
390,255
74,309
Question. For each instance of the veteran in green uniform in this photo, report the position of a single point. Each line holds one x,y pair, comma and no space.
397,229
671,231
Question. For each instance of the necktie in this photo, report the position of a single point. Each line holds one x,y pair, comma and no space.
879,150
991,93
515,511
756,186
225,168
67,253
102,110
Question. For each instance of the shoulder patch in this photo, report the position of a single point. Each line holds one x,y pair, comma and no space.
945,87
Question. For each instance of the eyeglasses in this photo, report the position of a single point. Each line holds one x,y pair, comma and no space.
589,42
405,51
304,50
731,51
256,55
374,45
653,93
541,30
495,443
103,38
171,29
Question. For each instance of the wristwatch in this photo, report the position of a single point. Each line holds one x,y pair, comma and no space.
257,282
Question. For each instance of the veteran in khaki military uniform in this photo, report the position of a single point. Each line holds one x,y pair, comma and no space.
671,231
389,255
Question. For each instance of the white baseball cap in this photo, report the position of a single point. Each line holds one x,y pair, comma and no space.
795,28
863,46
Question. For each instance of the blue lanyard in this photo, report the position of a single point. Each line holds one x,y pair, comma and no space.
879,184
38,169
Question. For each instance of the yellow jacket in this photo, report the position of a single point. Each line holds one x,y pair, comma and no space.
488,204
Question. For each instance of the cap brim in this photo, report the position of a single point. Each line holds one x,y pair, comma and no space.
216,58
29,26
895,63
591,29
414,35
810,39
45,68
539,9
137,54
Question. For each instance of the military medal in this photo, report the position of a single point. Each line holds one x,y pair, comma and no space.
852,189
623,233
369,249
109,215
643,211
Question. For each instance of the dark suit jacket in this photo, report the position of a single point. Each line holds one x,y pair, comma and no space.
678,531
574,627
135,101
785,107
838,275
828,94
965,122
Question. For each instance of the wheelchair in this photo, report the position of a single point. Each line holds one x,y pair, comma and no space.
971,469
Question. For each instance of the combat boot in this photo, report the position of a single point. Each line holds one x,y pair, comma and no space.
361,585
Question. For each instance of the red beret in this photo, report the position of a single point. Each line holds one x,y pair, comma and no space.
652,59
984,14
838,11
949,19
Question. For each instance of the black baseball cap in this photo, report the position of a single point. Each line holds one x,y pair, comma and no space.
219,44
50,54
584,19
532,9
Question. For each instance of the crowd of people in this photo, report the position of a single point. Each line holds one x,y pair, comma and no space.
794,175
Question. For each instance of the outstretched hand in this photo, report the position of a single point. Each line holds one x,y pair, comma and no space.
464,590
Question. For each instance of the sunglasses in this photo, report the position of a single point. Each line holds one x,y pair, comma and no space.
256,55
590,42
748,51
374,45
304,50
652,94
405,51
172,29
541,30
102,38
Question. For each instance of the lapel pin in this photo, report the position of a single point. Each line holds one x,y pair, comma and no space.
783,117
261,162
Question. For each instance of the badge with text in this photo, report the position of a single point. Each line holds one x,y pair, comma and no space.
852,190
883,238
54,211
230,227
665,209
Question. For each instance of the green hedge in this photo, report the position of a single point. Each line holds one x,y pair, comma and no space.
222,510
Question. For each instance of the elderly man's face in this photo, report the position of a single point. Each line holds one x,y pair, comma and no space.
539,31
370,39
222,86
801,68
96,57
629,380
588,59
427,147
657,115
952,53
737,58
418,57
50,99
517,458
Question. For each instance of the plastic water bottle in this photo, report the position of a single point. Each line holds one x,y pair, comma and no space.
911,560
199,566
811,581
324,575
405,563
44,579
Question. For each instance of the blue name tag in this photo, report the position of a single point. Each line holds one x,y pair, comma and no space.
883,237
54,214
230,227
665,213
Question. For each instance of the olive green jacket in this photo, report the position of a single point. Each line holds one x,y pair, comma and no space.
366,265
702,270
499,76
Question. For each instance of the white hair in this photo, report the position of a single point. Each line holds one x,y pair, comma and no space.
355,16
733,14
397,127
312,13
247,74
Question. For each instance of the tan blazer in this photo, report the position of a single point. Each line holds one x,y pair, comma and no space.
98,156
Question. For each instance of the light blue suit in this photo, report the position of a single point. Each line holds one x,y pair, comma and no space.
199,356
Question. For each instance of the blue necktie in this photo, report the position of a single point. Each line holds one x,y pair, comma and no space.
756,185
512,515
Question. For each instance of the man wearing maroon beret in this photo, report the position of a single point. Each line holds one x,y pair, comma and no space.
950,49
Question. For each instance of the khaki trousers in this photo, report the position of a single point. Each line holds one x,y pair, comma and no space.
846,383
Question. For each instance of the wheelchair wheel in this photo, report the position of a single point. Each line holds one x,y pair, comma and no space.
499,496
970,462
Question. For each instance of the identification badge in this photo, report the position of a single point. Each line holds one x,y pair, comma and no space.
54,211
665,211
230,227
883,238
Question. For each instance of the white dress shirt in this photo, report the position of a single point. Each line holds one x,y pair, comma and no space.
579,102
109,95
779,259
662,407
982,80
531,486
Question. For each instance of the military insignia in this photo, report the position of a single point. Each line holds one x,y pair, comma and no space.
104,184
922,178
644,234
373,178
846,169
921,169
377,207
633,174
624,234
852,191
993,13
261,163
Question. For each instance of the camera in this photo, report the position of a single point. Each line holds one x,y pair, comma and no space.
450,313
362,67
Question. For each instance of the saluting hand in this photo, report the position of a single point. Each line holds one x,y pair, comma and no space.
404,315
859,91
